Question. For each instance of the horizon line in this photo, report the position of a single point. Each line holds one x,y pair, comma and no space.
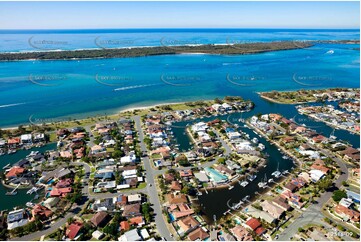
191,28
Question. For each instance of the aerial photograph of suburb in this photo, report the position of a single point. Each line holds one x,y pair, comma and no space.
180,120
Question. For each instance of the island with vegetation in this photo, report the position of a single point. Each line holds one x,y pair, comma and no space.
226,49
304,96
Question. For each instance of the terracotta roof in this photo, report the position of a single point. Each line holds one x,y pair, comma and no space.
176,199
199,233
351,214
176,186
187,223
136,220
253,223
260,230
41,211
241,233
73,229
124,225
15,171
57,192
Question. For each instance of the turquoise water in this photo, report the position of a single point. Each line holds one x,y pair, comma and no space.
76,91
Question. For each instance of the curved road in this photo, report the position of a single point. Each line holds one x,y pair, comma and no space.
313,212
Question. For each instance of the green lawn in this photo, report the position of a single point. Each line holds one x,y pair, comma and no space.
142,185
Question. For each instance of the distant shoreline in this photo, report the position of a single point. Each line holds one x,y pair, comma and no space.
164,49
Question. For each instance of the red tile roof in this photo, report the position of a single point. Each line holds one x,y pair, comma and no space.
15,171
253,223
124,225
73,230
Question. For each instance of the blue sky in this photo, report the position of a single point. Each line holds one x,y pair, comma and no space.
80,15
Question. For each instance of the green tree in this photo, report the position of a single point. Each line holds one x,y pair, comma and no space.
338,195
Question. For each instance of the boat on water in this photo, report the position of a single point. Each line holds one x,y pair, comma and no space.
285,172
263,183
10,152
261,146
252,177
30,204
332,135
244,183
285,157
33,153
270,180
32,190
230,188
330,52
277,173
255,140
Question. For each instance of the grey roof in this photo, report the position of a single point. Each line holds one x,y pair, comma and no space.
15,215
132,235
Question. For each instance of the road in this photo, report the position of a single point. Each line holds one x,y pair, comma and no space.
151,190
313,212
228,149
53,227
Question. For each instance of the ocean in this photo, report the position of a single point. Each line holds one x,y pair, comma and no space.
47,91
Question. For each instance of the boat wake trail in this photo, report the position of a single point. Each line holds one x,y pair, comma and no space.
11,105
132,87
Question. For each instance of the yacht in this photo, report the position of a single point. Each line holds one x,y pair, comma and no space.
332,135
270,180
30,204
244,183
277,173
263,183
261,146
252,177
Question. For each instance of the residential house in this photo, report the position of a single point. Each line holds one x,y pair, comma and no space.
73,231
16,218
41,211
187,224
255,225
131,235
198,234
273,210
176,199
132,210
347,213
100,219
241,233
